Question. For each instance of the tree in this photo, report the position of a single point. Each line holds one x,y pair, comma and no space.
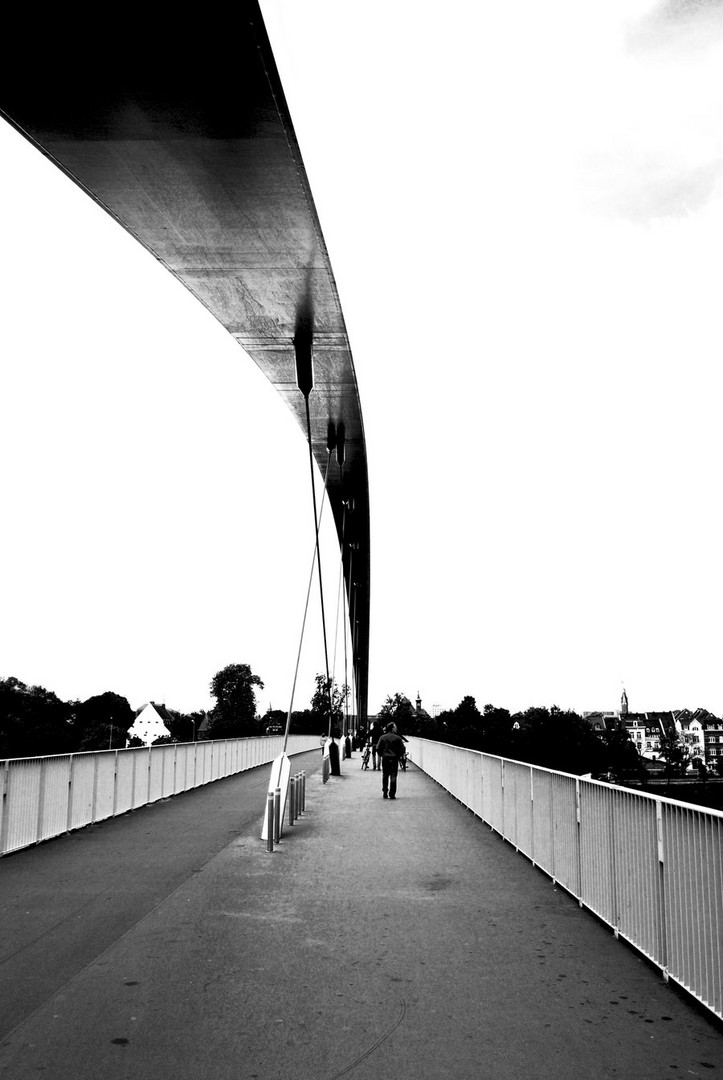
620,756
329,697
674,753
396,706
34,722
464,724
304,722
184,726
548,737
399,709
556,740
498,733
234,715
102,722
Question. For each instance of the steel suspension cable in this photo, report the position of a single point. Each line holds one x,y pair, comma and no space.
318,552
336,621
306,611
338,601
344,623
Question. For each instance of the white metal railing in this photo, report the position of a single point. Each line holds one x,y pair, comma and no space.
44,797
650,867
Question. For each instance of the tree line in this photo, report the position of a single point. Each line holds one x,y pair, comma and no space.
35,722
553,738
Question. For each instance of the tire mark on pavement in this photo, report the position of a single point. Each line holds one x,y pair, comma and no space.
375,1046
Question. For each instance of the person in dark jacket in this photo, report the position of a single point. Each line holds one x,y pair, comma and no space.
374,736
390,751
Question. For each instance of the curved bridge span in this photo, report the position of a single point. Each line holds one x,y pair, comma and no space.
181,131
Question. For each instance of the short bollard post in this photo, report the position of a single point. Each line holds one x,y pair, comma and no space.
270,821
277,815
292,800
303,790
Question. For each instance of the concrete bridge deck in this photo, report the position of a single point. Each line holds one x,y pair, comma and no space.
381,938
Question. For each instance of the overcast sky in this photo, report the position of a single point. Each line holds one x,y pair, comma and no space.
524,210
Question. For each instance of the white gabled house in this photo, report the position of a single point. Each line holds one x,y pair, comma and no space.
692,732
149,723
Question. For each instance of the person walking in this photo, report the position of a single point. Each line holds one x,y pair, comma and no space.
390,751
375,734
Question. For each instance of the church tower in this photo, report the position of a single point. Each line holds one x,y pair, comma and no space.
624,704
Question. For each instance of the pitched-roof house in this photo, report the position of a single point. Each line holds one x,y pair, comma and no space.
149,724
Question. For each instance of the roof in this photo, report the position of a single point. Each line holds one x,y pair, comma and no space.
160,709
599,720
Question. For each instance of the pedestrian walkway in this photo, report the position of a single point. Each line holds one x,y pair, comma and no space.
380,939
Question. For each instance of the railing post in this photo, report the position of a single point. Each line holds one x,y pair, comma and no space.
481,787
41,802
552,833
662,905
614,901
4,808
69,814
133,780
94,804
502,797
578,835
115,781
532,815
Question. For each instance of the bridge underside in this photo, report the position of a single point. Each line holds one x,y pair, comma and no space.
181,131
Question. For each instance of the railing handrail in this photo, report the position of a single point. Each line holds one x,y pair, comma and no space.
121,749
578,776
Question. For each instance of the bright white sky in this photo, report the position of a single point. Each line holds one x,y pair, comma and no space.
524,210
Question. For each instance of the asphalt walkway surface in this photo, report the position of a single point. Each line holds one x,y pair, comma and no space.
396,939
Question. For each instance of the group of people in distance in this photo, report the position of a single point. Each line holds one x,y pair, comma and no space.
386,748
